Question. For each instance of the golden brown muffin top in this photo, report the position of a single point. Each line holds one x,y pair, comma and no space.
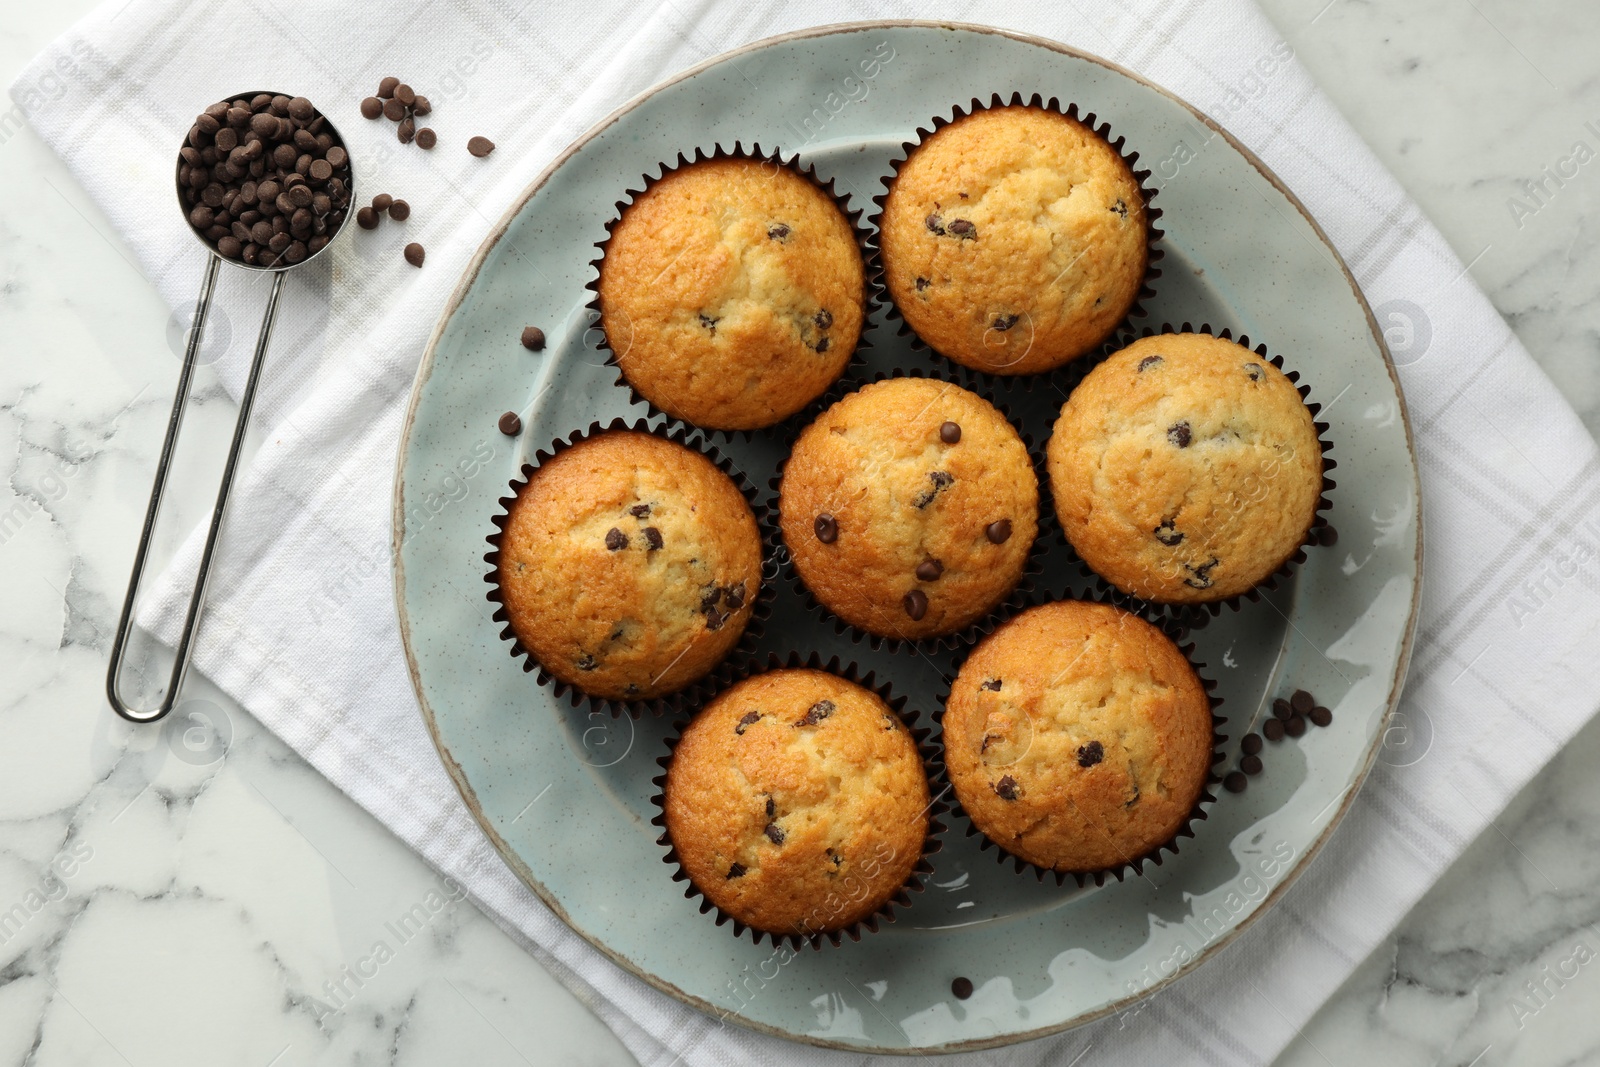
629,565
797,802
909,507
1185,469
732,293
1078,737
1014,239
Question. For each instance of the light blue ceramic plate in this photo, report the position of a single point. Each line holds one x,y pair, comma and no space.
565,796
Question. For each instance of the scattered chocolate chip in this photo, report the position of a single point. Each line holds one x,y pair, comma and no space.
1150,361
510,424
1168,533
386,88
1004,322
1202,574
993,685
827,529
774,834
533,341
1302,701
420,106
640,511
1272,729
1179,434
1295,727
367,219
1327,537
929,570
480,146
935,224
1251,744
999,532
941,481
748,719
963,229
1007,789
1250,765
1254,371
414,254
426,138
371,107
1320,716
1235,782
1090,754
778,232
1281,709
381,202
616,540
736,871
916,604
961,988
652,537
950,433
405,94
922,284
816,713
394,110
399,210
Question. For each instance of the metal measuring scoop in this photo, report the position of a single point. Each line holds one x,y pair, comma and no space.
278,269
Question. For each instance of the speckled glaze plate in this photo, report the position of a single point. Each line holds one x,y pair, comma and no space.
565,794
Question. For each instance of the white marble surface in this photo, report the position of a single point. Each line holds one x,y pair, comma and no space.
186,899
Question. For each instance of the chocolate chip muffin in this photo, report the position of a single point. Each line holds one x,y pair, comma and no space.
797,802
732,293
629,565
1185,469
909,508
1078,737
1014,239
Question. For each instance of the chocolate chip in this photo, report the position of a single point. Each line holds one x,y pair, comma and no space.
1302,701
736,871
381,202
922,284
941,481
826,528
1120,207
709,323
1004,322
774,834
1090,754
935,224
587,662
480,146
399,210
371,107
1320,716
420,106
929,570
652,537
823,319
1251,744
386,87
749,718
1281,709
533,341
1179,434
709,598
733,596
1250,765
616,540
510,424
640,511
963,229
405,94
414,254
916,604
1007,788
394,110
1168,533
1295,727
816,713
1272,729
367,218
998,533
993,685
1254,371
961,988
823,344
772,808
1327,537
715,619
778,232
426,138
1150,361
1202,575
1235,782
950,433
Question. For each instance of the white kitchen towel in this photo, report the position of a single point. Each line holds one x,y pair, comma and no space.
1499,680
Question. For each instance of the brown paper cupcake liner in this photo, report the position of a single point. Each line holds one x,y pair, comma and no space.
852,215
975,631
936,806
760,611
1179,634
1154,234
1195,616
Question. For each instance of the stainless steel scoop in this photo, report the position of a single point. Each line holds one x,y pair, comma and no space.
174,421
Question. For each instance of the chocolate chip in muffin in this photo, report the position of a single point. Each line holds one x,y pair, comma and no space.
827,529
929,570
616,540
816,713
1150,361
992,685
778,232
999,532
1320,716
1007,788
1179,434
1202,574
1254,371
1272,729
533,338
915,604
823,319
714,619
823,344
1235,782
922,284
963,229
1302,701
935,224
1251,744
941,481
640,511
772,808
747,719
1131,801
733,596
1120,207
774,834
510,424
652,537
709,323
1090,754
586,662
950,433
736,871
1168,533
1004,322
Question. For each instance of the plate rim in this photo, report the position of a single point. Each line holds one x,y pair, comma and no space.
468,793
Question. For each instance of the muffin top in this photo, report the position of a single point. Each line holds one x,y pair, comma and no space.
1014,240
629,565
732,293
1078,737
909,508
797,802
1185,469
